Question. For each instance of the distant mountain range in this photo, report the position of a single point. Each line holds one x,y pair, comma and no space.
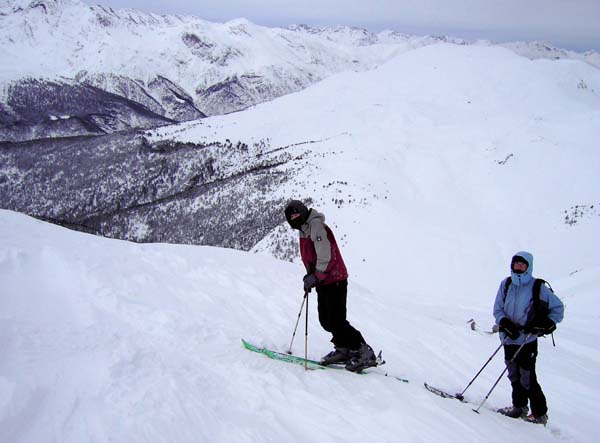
69,69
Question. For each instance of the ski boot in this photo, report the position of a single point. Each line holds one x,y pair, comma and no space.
336,357
362,358
541,420
514,411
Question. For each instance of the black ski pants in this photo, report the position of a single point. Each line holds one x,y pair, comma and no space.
332,315
523,378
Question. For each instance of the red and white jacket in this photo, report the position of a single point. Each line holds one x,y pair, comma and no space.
319,250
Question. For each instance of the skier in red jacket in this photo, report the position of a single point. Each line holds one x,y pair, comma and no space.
326,272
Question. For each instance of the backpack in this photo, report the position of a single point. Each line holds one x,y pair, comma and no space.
539,314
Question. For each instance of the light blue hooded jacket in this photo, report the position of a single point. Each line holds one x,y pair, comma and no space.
519,301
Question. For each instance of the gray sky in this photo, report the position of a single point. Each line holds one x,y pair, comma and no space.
570,24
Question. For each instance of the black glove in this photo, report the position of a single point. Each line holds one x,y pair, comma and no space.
310,281
509,328
543,327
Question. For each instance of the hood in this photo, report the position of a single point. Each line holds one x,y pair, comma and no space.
296,213
314,215
524,278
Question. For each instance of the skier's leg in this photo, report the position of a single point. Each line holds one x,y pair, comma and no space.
344,334
527,360
519,392
324,308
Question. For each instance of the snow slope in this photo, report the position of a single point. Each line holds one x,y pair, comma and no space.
445,157
433,169
104,340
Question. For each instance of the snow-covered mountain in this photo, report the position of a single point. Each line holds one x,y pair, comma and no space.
451,143
119,185
176,68
418,135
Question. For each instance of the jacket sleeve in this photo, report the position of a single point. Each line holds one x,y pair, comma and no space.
318,235
499,313
555,305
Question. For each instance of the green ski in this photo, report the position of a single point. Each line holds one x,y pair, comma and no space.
311,364
275,355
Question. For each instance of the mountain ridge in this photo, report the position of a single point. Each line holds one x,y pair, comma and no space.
182,67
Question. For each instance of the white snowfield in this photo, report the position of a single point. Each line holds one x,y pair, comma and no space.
449,159
104,340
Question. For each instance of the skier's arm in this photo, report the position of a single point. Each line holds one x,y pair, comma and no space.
499,313
318,235
555,305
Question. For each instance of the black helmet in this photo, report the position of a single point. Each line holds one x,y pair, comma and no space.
296,213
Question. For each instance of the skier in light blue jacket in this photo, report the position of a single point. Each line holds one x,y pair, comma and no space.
520,323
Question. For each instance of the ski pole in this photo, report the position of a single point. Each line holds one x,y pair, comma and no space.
297,321
306,335
461,395
505,369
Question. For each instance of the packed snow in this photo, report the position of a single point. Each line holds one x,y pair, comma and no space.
432,170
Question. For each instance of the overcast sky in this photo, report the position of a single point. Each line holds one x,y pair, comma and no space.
570,24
